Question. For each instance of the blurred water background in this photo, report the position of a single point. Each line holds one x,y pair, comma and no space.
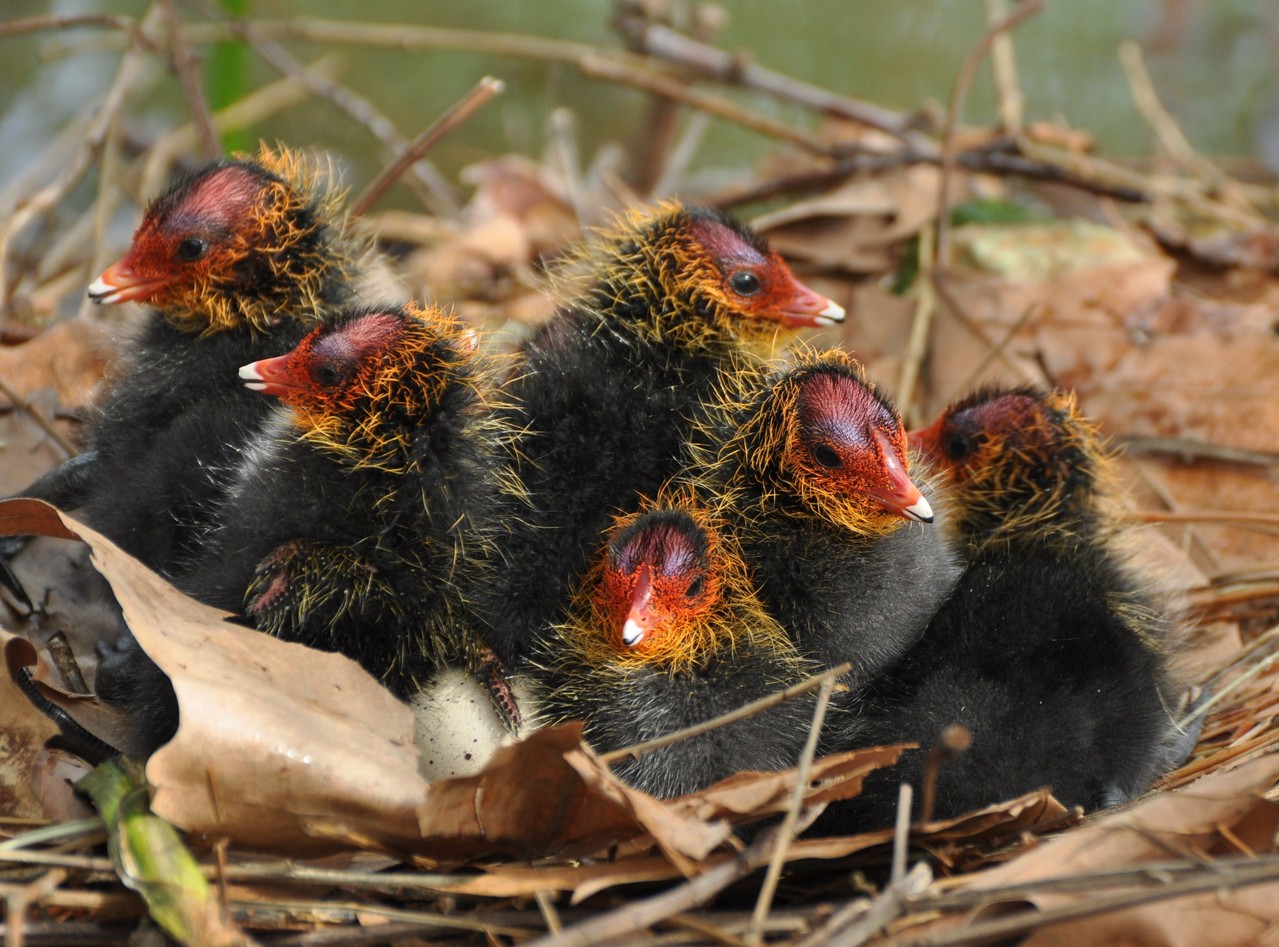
1213,62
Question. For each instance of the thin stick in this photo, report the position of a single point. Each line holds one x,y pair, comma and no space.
408,37
480,95
25,406
997,352
901,831
433,190
920,327
952,741
184,66
661,41
1165,127
546,905
613,69
1003,62
958,96
1191,449
655,147
244,111
981,160
1007,927
1209,561
884,908
1206,707
1243,518
741,713
638,916
786,832
53,193
35,24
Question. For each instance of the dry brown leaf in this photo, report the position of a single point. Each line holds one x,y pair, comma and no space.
24,734
280,747
550,794
1213,814
753,795
583,879
69,357
1078,323
1029,814
857,226
1225,918
1158,825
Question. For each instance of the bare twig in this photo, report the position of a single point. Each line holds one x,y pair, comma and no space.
245,111
480,95
1008,927
1003,62
984,160
655,146
996,352
611,68
50,195
409,37
920,328
1210,561
786,832
662,42
1245,519
36,24
1165,127
25,406
1191,449
901,830
546,904
640,915
184,66
955,107
431,187
951,742
17,902
1220,695
741,713
884,909
64,660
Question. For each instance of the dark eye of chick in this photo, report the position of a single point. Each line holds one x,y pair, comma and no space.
744,283
827,456
695,587
191,249
957,445
326,374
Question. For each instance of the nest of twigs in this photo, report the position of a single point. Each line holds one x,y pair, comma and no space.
1152,297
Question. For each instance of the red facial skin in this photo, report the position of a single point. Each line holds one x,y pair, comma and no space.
654,586
848,444
327,366
761,284
184,239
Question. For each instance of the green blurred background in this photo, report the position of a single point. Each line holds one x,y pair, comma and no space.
1213,62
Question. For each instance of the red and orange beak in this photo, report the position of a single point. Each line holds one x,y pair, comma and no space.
640,620
120,283
902,497
271,376
809,310
924,440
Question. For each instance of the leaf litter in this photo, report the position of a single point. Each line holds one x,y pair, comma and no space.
1159,313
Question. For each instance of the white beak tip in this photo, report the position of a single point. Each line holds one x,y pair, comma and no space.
632,633
101,292
920,510
833,314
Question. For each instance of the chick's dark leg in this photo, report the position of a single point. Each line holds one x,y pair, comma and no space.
128,679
